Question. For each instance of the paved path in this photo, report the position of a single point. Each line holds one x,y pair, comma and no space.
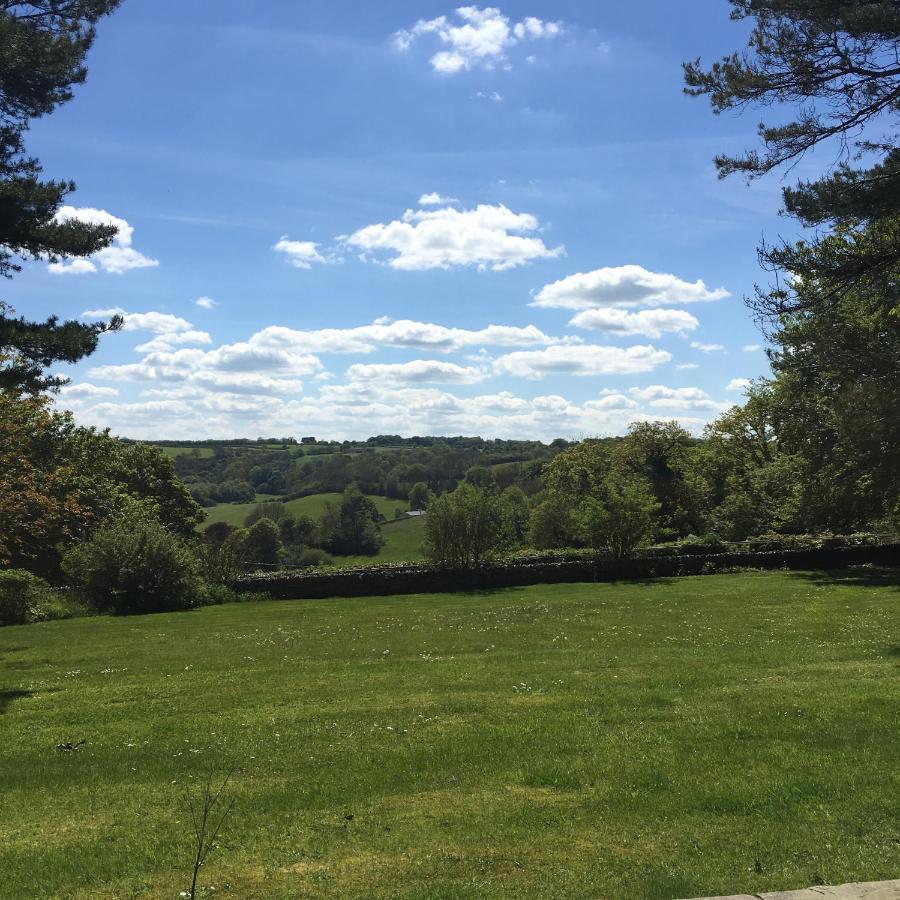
870,890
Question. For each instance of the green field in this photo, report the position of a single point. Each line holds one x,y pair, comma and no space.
402,543
314,505
647,740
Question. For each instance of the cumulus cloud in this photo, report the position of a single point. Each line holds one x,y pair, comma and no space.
157,322
623,286
581,360
359,409
418,371
687,366
206,302
477,38
751,348
300,254
435,199
661,397
119,257
493,96
651,323
738,384
404,333
612,401
86,389
489,237
706,348
170,330
167,341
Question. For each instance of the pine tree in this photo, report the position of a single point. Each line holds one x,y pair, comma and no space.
43,45
838,61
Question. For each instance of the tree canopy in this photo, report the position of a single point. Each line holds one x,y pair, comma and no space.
43,45
837,61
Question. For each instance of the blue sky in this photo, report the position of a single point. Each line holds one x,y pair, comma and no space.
406,218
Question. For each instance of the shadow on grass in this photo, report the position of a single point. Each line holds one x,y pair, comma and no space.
859,576
7,697
518,589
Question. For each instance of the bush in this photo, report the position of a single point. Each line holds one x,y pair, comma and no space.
23,597
312,557
135,565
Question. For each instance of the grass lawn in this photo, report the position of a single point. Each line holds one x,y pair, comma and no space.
314,505
648,740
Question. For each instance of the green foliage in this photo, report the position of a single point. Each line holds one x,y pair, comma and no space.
551,525
835,400
578,471
351,527
23,597
621,518
313,557
420,496
754,486
58,482
261,543
133,564
837,62
272,510
662,454
464,528
515,512
43,45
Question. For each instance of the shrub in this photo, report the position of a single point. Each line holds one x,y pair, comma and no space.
312,557
135,565
23,597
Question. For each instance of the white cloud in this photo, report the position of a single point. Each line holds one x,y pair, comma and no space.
170,330
86,389
738,384
489,237
706,348
403,333
481,38
435,199
300,254
493,96
206,302
612,401
581,360
167,341
418,371
117,258
360,409
157,322
651,323
687,366
751,348
661,397
623,286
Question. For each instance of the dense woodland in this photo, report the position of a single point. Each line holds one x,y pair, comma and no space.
814,448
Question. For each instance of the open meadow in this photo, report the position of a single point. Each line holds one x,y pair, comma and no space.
314,505
646,740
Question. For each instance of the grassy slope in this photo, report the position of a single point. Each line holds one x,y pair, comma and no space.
665,739
402,543
314,505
